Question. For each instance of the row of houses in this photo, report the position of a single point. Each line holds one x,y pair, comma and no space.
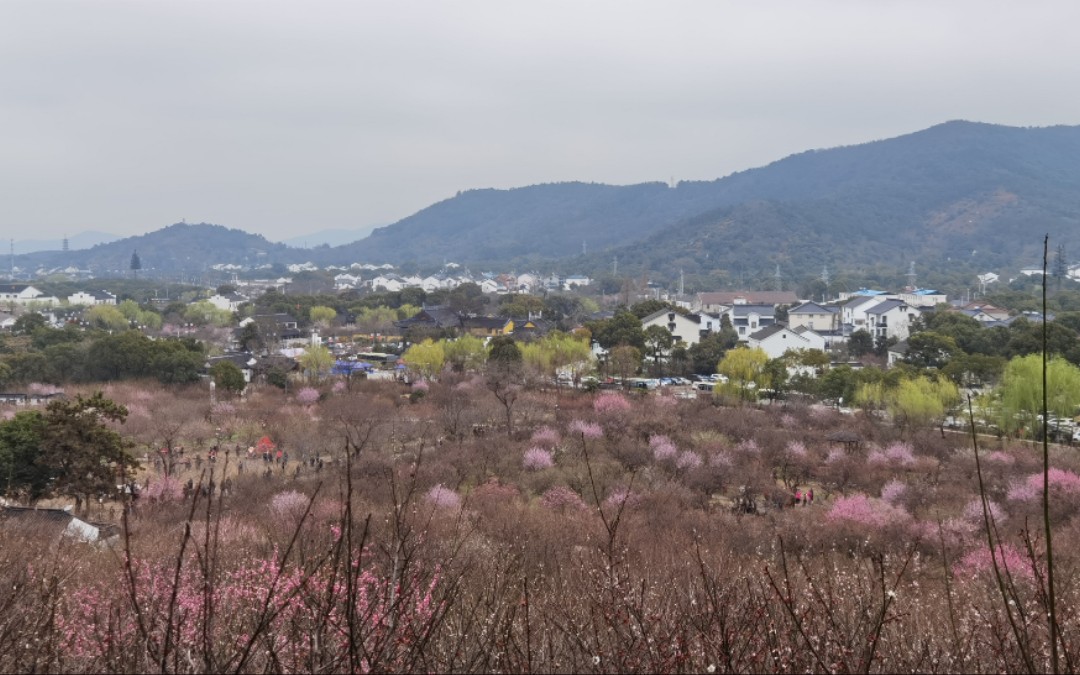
25,294
809,325
488,283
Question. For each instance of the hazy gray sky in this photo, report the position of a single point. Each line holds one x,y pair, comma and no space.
281,118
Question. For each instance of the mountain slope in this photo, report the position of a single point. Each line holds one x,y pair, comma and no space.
960,190
956,187
955,191
174,249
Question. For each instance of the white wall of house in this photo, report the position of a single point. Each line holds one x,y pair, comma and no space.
784,339
682,328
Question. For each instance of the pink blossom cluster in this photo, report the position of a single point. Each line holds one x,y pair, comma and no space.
1024,491
307,396
222,409
289,504
893,491
868,511
1000,457
610,402
1031,487
722,459
688,460
546,436
586,429
339,387
443,497
1009,559
749,446
797,449
421,385
663,448
537,458
896,454
973,511
95,624
559,497
787,421
835,455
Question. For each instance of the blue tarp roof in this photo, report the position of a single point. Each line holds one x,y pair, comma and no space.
348,367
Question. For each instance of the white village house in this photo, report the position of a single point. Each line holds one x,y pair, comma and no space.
685,329
777,339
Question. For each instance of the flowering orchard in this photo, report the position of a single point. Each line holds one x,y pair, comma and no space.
366,529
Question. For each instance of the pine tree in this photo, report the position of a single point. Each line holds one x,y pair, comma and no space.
1060,267
136,264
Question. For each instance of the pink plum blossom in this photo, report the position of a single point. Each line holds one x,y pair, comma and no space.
610,402
688,460
796,449
586,429
546,436
1009,559
893,491
973,511
289,504
867,511
662,447
537,458
443,497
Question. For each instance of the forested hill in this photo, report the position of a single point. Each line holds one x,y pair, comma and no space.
945,192
957,192
178,248
981,193
540,221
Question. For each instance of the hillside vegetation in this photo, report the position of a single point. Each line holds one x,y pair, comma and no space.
957,192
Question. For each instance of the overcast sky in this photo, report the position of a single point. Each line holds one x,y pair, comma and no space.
281,118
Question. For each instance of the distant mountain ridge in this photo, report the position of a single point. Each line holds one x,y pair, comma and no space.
75,242
956,190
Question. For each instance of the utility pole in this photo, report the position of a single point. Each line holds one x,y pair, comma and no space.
911,275
779,279
825,280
